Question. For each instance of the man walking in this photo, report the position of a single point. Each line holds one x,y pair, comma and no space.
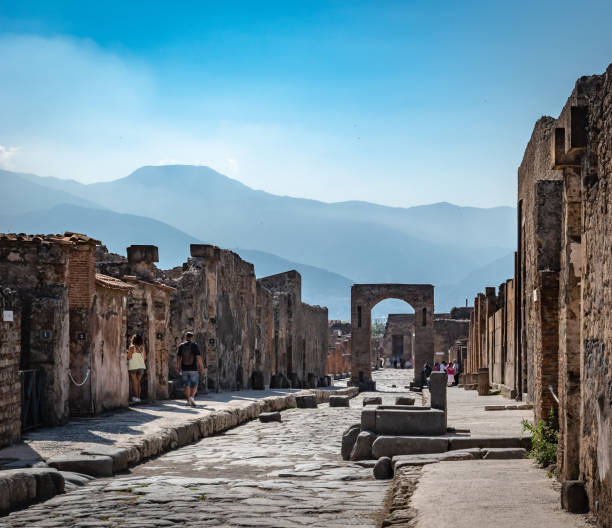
188,362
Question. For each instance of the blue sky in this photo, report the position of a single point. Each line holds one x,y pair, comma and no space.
400,103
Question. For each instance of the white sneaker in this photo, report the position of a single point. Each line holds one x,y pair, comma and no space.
192,402
137,400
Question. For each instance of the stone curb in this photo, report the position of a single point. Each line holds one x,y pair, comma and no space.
20,488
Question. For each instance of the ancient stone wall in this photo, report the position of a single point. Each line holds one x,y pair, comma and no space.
109,375
398,339
446,332
10,355
36,267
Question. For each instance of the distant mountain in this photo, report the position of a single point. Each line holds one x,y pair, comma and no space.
440,244
21,193
492,274
118,231
368,242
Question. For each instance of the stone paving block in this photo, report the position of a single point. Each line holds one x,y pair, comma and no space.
20,487
94,465
372,400
270,417
339,401
383,469
306,401
408,445
504,453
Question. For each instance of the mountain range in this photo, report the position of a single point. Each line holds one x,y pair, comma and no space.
333,245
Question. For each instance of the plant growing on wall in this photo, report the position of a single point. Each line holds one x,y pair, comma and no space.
544,439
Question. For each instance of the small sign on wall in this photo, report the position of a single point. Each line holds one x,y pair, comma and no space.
7,316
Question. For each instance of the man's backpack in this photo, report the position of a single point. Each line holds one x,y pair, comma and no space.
187,355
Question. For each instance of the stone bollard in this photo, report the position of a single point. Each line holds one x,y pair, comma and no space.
483,382
383,469
339,401
437,390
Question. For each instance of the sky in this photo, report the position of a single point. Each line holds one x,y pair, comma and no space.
399,103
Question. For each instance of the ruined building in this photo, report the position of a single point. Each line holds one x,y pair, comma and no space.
398,341
68,308
547,333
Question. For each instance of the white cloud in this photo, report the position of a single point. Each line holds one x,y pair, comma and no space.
6,156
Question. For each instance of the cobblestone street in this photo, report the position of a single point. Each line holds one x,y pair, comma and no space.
259,474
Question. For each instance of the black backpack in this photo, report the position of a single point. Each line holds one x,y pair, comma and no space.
187,355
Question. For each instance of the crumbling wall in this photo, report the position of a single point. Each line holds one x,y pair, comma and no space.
10,355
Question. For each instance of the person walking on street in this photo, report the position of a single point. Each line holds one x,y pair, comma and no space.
450,371
188,363
136,357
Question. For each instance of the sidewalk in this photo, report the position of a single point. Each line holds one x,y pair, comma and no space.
137,433
500,493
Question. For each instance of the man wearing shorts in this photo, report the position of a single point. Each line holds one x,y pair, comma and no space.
188,362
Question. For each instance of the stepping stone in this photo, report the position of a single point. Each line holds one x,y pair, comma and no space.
270,417
307,401
383,470
339,401
372,400
495,408
404,400
504,453
94,465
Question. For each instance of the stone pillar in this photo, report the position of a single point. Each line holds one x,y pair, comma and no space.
142,260
437,389
483,381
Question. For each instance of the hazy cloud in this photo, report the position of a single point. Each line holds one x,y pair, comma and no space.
6,155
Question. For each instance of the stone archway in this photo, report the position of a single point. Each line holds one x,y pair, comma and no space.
363,298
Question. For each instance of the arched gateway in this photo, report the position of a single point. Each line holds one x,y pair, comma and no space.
363,298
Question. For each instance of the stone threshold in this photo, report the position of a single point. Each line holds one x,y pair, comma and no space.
23,487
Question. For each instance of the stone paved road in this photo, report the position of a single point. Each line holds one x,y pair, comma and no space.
285,474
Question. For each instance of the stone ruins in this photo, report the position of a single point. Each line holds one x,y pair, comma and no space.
546,335
69,308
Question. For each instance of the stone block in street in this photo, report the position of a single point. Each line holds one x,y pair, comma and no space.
270,417
437,390
372,400
504,453
410,422
466,442
339,401
404,400
94,465
306,401
120,456
383,469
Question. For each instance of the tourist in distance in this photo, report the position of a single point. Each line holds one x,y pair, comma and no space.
436,367
450,371
443,366
136,365
188,363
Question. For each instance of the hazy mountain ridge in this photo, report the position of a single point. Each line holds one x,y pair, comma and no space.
439,243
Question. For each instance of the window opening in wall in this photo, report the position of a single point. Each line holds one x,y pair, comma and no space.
424,316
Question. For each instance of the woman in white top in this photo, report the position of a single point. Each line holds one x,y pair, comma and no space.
136,364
